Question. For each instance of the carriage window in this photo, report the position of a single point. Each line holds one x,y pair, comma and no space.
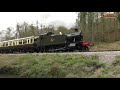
6,44
20,42
35,40
10,43
28,41
31,41
24,41
13,43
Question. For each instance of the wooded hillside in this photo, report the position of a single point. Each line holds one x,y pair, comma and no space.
99,26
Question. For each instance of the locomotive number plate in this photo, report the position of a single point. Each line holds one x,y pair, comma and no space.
72,44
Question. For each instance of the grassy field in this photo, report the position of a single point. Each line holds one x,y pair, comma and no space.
58,66
106,46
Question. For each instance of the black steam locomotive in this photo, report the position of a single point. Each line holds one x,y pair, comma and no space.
47,42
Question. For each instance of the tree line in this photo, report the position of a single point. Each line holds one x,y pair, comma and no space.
26,30
99,26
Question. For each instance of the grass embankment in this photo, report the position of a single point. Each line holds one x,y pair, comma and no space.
106,46
109,71
49,66
58,66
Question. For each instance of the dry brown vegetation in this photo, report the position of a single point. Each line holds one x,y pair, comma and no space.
115,46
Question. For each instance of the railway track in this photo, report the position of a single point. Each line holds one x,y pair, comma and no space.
105,56
90,52
64,52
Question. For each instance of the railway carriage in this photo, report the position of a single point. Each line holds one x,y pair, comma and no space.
46,42
18,45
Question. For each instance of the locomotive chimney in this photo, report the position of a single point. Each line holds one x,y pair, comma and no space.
76,30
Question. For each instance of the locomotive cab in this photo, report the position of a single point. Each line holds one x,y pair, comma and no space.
74,38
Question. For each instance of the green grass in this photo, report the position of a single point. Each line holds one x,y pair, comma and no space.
50,66
58,66
110,70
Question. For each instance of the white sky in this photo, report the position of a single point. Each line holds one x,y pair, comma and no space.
10,19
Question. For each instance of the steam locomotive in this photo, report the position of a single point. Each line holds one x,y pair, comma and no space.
47,42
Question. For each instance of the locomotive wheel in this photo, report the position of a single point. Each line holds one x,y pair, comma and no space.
86,49
70,50
80,49
42,50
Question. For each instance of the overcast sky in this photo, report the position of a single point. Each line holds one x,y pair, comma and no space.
10,19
